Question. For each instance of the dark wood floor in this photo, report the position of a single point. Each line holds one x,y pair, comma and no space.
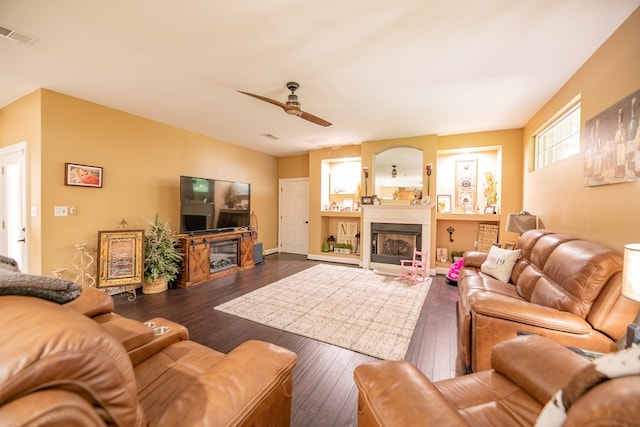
324,391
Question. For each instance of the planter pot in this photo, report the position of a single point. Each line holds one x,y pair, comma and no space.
154,287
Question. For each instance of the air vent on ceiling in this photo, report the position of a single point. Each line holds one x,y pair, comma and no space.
271,136
17,36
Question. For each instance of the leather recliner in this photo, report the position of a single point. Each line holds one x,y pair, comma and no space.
525,373
79,364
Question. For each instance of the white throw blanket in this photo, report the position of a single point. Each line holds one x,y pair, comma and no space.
624,363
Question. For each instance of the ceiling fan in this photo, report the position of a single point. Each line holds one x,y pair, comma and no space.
292,106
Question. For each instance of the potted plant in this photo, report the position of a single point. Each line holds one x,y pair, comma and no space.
456,255
161,258
342,248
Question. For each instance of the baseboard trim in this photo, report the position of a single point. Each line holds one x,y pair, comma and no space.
329,258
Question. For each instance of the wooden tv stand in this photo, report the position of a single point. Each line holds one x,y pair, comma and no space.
198,263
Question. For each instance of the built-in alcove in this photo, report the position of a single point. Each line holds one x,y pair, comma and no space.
462,183
463,176
340,184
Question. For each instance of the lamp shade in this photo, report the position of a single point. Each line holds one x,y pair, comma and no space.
631,272
517,223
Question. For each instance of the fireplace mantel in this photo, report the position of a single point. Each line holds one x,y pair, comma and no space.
393,214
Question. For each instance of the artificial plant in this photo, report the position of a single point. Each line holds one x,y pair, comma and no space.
161,258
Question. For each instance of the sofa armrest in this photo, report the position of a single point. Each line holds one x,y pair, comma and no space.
542,368
50,407
398,394
174,334
474,258
91,302
518,311
251,383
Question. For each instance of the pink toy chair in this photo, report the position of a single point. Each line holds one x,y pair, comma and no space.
417,269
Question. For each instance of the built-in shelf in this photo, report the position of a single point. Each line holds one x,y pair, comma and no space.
468,217
345,214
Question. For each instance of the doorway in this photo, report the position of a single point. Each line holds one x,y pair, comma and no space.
294,216
13,204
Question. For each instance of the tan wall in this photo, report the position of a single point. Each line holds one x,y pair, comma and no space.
609,213
142,161
293,166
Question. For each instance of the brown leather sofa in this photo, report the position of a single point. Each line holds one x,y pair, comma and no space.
562,287
80,364
525,373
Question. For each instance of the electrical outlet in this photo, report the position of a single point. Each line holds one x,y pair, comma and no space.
60,211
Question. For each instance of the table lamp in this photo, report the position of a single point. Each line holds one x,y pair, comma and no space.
519,223
631,286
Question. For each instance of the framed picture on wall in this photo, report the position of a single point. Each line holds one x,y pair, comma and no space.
82,175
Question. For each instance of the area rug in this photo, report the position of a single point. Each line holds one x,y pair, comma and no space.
345,306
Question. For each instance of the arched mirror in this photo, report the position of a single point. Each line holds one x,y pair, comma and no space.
398,173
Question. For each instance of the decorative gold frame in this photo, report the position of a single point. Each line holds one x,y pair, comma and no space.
121,258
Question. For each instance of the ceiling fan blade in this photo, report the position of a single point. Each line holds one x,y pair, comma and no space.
265,99
314,119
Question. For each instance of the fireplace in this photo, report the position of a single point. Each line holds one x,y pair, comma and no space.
392,242
223,255
391,232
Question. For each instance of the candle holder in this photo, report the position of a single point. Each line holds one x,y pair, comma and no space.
365,171
82,261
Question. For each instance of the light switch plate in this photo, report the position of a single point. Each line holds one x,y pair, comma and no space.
60,211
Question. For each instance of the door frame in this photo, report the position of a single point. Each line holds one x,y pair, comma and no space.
280,204
22,149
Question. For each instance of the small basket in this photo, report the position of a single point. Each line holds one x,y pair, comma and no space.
155,287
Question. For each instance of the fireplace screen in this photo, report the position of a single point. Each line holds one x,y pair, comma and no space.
393,242
223,255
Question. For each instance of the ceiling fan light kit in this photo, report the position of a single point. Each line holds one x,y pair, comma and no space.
292,106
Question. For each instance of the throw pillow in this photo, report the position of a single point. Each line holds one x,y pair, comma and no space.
500,263
49,288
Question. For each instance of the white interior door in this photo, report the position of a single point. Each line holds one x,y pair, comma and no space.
294,216
13,204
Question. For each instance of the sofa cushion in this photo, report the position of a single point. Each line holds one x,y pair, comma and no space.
49,288
500,263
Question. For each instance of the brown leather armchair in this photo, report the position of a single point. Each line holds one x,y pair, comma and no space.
525,373
82,365
564,288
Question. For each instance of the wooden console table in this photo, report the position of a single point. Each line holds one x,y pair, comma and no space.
196,250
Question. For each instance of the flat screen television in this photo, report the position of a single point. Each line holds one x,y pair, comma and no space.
213,204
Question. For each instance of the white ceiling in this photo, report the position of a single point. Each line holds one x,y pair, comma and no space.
376,69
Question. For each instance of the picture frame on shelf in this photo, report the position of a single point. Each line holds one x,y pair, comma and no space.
490,209
444,203
368,200
82,175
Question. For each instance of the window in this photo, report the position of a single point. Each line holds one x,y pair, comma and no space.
560,139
